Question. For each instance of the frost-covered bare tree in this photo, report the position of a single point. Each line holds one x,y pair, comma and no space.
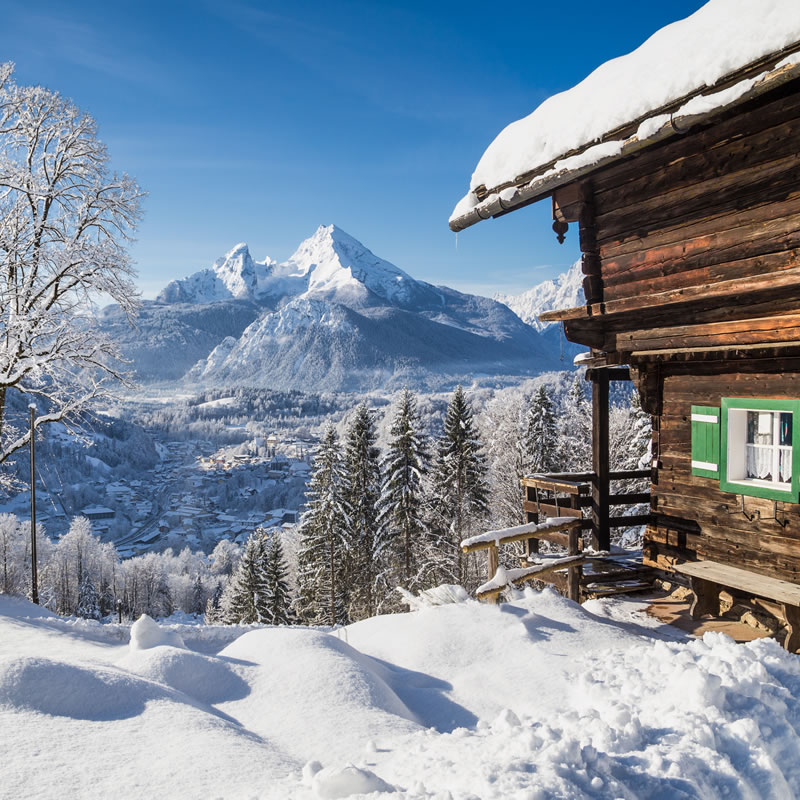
502,425
13,550
65,222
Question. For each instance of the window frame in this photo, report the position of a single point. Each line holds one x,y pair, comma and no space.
751,488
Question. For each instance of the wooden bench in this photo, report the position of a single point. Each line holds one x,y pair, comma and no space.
709,578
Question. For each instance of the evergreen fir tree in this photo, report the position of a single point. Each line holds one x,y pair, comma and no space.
213,615
324,528
541,435
198,595
361,460
244,598
278,598
401,504
88,601
460,492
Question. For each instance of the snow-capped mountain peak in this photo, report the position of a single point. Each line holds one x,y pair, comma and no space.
235,276
329,265
237,271
336,317
565,291
334,262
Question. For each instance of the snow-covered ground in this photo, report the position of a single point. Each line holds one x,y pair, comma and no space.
539,698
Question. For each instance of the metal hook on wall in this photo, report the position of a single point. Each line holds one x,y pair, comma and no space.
756,515
783,522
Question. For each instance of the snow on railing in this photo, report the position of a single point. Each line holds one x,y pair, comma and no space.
518,533
504,578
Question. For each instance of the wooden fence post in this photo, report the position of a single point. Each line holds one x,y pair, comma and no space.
492,564
574,574
601,532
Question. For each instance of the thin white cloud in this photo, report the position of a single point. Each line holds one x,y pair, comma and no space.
54,37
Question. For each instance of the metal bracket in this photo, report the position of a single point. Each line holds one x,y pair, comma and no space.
756,515
783,522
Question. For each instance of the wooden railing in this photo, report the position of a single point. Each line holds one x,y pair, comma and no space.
561,499
567,494
562,531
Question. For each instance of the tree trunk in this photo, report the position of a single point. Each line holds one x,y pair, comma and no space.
2,410
408,555
333,581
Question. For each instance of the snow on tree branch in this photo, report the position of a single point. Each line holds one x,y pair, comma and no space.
66,221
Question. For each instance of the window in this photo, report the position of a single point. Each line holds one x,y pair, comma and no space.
751,445
759,449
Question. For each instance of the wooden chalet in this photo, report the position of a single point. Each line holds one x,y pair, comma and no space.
688,218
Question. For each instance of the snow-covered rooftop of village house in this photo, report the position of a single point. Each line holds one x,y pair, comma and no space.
567,131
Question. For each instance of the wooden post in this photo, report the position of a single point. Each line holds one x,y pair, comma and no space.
492,562
792,616
531,545
574,574
601,532
34,567
590,259
706,597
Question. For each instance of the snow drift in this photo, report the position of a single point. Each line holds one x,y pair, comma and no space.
539,698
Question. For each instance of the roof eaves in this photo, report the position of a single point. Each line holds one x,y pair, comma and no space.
697,110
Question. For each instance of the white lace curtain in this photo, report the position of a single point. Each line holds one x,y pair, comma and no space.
785,465
760,461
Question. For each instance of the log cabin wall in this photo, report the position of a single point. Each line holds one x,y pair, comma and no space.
702,231
693,517
698,242
721,205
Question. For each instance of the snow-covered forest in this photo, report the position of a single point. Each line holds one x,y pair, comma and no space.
391,495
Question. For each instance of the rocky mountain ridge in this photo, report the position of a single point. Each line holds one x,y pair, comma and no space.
334,317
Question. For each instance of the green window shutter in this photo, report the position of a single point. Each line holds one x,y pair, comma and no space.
705,441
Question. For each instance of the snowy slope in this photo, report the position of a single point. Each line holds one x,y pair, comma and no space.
566,291
540,698
332,346
169,338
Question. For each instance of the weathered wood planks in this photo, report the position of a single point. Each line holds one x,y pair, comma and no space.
698,246
693,518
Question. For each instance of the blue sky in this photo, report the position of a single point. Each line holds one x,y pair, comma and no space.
257,122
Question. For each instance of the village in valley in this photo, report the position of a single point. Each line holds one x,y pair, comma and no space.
176,505
194,496
517,519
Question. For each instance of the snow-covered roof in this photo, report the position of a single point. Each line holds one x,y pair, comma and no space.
680,76
89,511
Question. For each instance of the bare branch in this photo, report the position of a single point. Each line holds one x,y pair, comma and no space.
65,223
